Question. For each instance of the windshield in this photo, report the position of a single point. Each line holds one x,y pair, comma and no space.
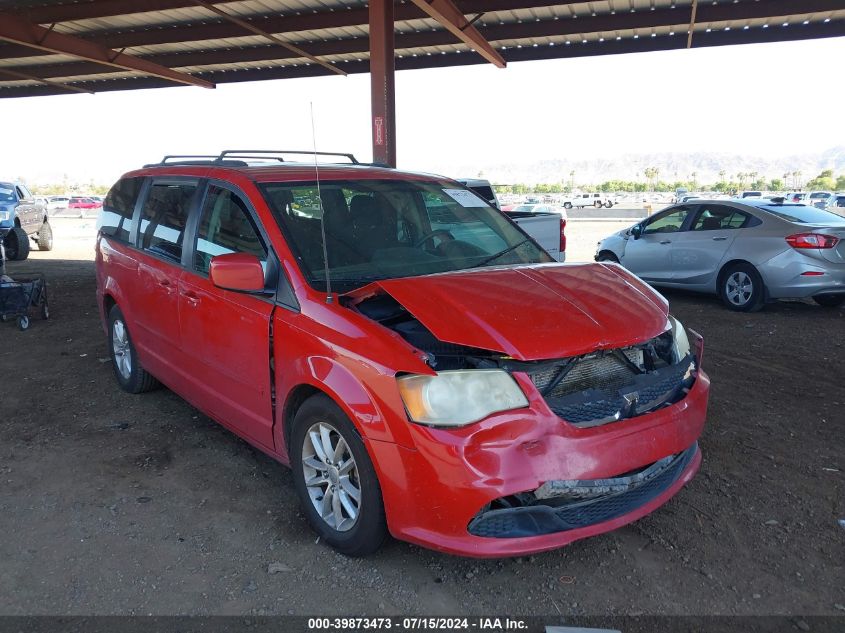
804,214
819,194
7,192
384,229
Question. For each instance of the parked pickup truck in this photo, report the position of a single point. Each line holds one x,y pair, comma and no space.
544,223
596,200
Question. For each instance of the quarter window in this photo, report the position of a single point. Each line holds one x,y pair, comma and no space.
225,227
163,218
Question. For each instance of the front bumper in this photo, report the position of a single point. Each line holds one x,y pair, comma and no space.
434,492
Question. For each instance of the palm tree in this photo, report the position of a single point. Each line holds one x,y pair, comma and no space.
694,175
722,173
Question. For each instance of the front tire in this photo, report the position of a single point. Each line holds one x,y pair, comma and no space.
335,479
607,256
597,204
17,244
131,376
45,237
608,204
567,205
741,288
830,301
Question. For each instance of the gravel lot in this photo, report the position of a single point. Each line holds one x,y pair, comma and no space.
121,504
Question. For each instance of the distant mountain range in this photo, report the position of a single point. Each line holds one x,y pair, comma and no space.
672,165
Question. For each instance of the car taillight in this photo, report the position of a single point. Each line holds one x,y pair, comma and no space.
812,240
562,236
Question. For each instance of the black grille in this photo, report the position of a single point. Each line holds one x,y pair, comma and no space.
604,388
541,518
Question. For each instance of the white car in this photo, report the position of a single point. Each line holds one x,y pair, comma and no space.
55,203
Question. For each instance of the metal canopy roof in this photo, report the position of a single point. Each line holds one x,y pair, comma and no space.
101,45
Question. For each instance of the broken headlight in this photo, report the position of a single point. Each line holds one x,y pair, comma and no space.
680,341
457,398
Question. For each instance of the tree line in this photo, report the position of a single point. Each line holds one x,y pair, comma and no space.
727,183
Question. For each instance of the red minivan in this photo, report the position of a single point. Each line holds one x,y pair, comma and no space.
420,363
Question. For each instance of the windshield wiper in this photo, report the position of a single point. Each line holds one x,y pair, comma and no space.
499,254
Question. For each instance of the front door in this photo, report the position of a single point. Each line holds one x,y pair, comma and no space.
225,334
649,256
27,211
697,254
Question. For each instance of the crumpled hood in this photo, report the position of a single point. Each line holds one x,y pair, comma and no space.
532,312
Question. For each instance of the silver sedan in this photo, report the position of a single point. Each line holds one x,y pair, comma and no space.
748,252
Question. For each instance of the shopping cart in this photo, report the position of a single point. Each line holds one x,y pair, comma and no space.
18,296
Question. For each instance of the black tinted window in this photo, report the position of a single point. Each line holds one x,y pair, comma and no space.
116,217
163,218
225,227
714,217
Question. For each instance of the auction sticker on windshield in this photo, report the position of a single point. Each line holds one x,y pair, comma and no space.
465,198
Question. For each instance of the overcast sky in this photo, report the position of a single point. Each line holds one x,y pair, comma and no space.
764,99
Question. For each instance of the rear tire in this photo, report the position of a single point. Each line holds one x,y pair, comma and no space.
17,244
131,376
830,301
597,204
608,204
45,237
741,288
321,427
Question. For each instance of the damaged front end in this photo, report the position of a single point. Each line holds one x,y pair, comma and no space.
563,505
587,390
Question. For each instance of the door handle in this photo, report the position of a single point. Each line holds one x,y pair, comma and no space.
191,297
666,242
719,239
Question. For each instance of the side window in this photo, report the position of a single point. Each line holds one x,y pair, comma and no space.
716,217
116,217
225,227
22,193
669,222
163,218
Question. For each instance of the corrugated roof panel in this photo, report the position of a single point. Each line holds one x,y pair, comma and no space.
39,59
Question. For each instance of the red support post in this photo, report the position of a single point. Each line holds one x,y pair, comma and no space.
382,83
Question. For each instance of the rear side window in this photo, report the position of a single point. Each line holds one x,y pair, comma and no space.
225,227
163,218
116,217
716,217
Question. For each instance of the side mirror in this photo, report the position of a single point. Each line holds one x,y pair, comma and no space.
637,231
237,271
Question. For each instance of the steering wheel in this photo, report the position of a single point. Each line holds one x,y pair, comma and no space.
443,234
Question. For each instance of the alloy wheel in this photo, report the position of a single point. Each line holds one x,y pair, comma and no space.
121,349
331,476
739,288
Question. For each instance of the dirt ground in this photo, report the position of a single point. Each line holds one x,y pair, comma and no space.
119,504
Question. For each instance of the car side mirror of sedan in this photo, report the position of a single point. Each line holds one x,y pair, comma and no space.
636,231
237,271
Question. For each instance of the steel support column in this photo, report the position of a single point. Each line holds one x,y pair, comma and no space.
382,84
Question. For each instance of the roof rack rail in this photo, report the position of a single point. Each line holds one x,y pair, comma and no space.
195,159
266,153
